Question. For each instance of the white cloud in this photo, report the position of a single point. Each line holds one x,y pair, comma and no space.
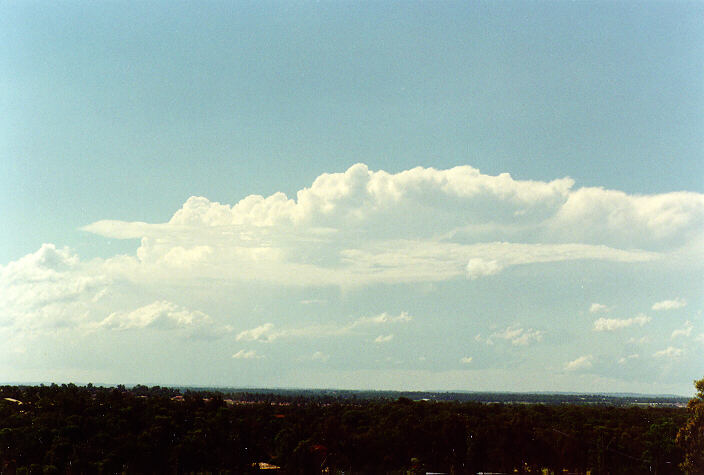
247,355
517,335
685,331
359,196
628,358
362,227
466,360
478,267
382,318
583,362
598,308
615,218
261,333
669,352
160,315
383,338
611,324
670,304
49,288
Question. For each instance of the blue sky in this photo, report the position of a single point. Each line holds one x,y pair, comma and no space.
145,151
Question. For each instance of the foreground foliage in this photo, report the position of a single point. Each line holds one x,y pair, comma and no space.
71,429
691,436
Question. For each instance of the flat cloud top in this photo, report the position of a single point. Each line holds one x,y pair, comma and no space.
363,227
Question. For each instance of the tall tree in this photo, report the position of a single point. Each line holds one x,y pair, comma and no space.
691,435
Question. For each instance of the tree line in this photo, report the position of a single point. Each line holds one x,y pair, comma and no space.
69,429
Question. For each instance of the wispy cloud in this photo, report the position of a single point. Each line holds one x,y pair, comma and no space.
160,315
685,331
669,352
581,363
384,338
267,332
247,355
260,333
611,324
598,308
628,358
381,319
670,304
466,359
517,335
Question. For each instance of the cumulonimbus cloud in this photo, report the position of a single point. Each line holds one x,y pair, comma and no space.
362,227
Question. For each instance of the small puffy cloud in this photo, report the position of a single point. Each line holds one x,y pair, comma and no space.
612,324
669,352
628,358
598,308
466,360
670,304
247,355
261,333
581,363
517,335
478,267
639,341
384,338
685,331
162,315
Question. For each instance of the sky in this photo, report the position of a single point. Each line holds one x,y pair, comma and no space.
480,196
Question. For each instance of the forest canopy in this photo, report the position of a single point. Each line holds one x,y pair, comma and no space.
89,429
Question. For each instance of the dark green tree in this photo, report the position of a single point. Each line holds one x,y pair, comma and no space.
691,436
